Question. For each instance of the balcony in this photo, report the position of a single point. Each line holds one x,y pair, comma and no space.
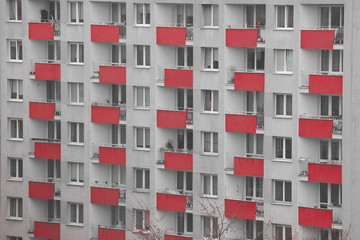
109,153
174,201
107,32
45,229
41,189
113,73
176,76
45,70
249,166
176,236
44,29
244,209
320,217
108,195
324,173
177,159
322,83
108,113
244,80
244,37
45,148
320,127
111,233
174,35
244,122
174,118
42,109
321,38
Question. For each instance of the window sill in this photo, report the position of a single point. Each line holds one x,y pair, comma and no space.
75,24
14,179
210,27
283,29
209,154
142,108
75,184
14,219
208,112
283,73
282,160
286,204
75,64
142,190
15,61
15,140
16,100
208,196
142,67
14,21
209,70
76,104
76,144
142,149
75,224
282,117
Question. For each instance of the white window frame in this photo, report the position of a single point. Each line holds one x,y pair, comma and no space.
330,105
143,144
330,233
18,207
54,49
184,181
186,134
16,166
14,238
186,55
118,13
185,217
183,11
78,90
54,130
118,134
257,51
53,90
253,226
55,211
247,25
145,92
281,111
79,54
118,54
17,86
146,50
145,179
254,102
330,61
79,220
284,145
118,216
16,7
285,189
214,101
78,179
254,188
330,17
213,224
213,189
56,169
214,10
144,7
329,192
213,54
214,150
117,174
288,59
329,146
284,229
18,50
78,128
19,129
79,12
252,140
145,220
287,15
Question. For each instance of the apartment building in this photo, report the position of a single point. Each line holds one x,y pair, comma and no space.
179,120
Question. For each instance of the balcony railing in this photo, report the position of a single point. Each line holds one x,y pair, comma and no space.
338,32
259,117
106,184
260,31
189,196
231,70
189,29
57,104
337,121
189,112
115,104
32,63
305,76
57,182
109,23
55,23
161,71
318,160
45,220
95,148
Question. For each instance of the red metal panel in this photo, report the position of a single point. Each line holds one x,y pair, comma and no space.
112,74
110,155
47,230
41,31
240,123
249,81
109,196
315,217
47,71
41,110
316,128
42,190
171,119
105,33
111,234
240,209
170,202
102,114
178,78
317,39
325,84
249,167
178,161
47,150
241,37
171,35
172,237
324,173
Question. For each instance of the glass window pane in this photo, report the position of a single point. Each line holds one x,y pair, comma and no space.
147,179
288,234
250,59
180,222
147,13
260,59
250,9
325,60
288,105
290,16
281,16
207,15
259,143
278,232
279,104
147,55
279,191
13,168
324,105
81,213
335,106
180,180
81,132
216,15
249,229
20,166
324,17
260,15
81,172
147,96
207,100
335,150
139,96
289,60
181,56
189,182
324,149
288,148
335,17
207,142
147,138
249,187
259,187
287,191
81,92
207,58
215,101
280,57
139,178
139,14
215,185
336,55
335,200
279,148
206,184
139,137
139,55
323,193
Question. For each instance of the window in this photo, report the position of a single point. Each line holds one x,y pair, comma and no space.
254,188
210,101
282,190
118,94
210,227
283,148
76,93
255,102
53,91
184,139
211,15
15,12
76,172
53,209
284,60
77,133
332,17
330,234
15,208
14,238
282,232
210,185
184,181
330,106
142,16
142,97
142,220
54,130
330,194
255,59
254,144
54,9
16,129
118,174
54,51
76,12
283,105
184,56
285,17
210,142
76,213
331,61
184,223
16,168
118,13
118,216
118,134
254,229
76,53
53,169
184,98
142,178
330,150
211,58
118,54
142,55
184,15
255,16
16,90
15,51
142,138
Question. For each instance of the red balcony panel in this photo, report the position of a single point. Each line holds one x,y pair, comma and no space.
112,74
249,167
178,161
317,39
41,31
240,209
111,234
170,202
108,196
325,84
41,110
47,230
102,114
315,217
47,71
240,123
316,128
105,33
171,119
172,237
43,190
178,78
249,81
47,150
110,155
171,35
241,37
324,173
